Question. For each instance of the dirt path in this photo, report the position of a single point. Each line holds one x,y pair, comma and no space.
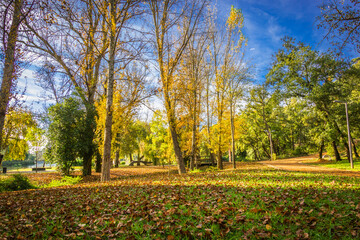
298,164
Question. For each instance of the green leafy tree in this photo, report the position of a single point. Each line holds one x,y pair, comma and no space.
159,147
67,122
299,71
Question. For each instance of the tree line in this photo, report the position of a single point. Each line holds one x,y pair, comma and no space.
100,62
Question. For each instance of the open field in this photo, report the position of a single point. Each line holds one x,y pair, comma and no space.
252,202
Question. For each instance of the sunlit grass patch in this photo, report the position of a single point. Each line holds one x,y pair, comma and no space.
343,165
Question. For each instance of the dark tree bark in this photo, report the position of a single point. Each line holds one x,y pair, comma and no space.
354,147
336,152
117,158
321,149
98,162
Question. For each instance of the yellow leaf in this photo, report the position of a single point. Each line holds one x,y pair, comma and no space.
268,227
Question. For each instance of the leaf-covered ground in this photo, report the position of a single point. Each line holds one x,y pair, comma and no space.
253,202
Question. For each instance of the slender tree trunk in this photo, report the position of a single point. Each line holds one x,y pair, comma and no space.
212,157
177,150
193,139
336,152
88,154
321,149
219,160
9,66
174,136
347,150
232,135
98,162
105,168
193,151
354,147
117,158
138,159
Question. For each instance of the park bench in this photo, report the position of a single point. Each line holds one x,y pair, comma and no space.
203,162
138,162
38,169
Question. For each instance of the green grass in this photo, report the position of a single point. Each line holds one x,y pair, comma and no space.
254,203
343,165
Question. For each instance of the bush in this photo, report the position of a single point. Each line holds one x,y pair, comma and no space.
196,170
15,183
211,169
66,180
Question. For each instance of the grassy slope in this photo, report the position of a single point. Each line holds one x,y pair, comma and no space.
252,202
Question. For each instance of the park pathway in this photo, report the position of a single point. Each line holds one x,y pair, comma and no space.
298,164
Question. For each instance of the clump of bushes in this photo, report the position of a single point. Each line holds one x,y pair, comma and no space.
66,180
15,183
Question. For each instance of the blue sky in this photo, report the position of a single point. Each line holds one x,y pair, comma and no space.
266,22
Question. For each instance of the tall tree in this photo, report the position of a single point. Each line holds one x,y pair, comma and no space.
226,53
12,17
318,78
72,35
174,23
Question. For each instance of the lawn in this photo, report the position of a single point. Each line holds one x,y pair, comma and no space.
252,202
343,165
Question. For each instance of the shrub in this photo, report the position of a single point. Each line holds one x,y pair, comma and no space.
66,180
196,170
15,183
211,169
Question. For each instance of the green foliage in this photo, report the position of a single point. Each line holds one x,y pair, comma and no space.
196,170
316,80
64,181
211,169
159,146
17,163
15,183
67,121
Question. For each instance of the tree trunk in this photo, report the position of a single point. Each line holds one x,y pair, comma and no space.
321,149
117,158
9,65
177,150
232,125
212,157
138,159
336,152
219,160
87,155
354,148
98,162
193,144
347,150
105,168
